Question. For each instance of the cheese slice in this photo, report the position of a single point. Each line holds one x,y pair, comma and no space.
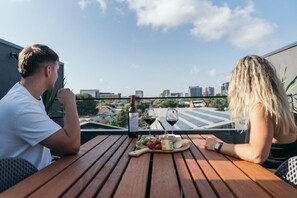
167,145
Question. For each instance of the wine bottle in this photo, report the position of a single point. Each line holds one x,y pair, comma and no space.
133,119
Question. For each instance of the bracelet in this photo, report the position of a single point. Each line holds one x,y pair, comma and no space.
218,147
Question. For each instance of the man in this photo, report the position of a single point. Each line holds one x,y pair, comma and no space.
26,131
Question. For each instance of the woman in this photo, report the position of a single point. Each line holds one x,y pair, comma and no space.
257,97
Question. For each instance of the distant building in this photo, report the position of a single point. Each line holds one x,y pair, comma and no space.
176,95
139,93
105,114
197,103
224,89
209,91
109,95
183,104
93,92
165,93
195,91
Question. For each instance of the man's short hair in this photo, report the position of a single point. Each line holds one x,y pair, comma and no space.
32,58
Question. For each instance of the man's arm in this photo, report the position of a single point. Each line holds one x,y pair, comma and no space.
67,139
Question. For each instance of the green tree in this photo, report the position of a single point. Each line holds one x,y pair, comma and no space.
168,103
86,105
219,103
140,106
121,118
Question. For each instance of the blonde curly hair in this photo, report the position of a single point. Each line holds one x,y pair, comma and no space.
254,81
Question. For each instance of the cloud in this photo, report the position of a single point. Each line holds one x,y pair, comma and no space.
209,22
84,3
162,13
102,4
135,66
119,11
103,82
228,77
212,72
20,1
195,70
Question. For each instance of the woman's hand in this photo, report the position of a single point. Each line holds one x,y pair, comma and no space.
210,143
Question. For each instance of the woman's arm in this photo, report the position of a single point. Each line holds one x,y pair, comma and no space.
261,134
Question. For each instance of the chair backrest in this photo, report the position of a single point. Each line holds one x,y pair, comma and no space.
14,170
288,171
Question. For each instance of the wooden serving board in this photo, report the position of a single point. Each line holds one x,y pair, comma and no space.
139,152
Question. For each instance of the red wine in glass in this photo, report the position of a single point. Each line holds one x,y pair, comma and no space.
149,117
171,122
172,117
149,121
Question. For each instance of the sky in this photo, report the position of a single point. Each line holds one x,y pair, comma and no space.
120,46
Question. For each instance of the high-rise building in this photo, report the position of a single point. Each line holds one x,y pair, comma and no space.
209,91
139,93
165,93
93,92
224,89
195,91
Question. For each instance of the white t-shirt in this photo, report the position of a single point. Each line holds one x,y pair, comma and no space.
23,125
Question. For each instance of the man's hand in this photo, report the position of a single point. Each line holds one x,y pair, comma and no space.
67,139
65,96
55,158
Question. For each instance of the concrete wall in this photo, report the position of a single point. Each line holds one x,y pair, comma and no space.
286,57
9,74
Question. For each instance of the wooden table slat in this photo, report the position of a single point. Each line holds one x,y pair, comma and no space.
32,183
65,179
270,182
200,180
103,168
214,179
238,182
134,180
114,178
186,182
163,172
81,183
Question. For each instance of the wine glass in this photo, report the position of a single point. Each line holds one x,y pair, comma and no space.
149,117
171,117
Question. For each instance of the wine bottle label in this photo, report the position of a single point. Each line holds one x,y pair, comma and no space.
133,122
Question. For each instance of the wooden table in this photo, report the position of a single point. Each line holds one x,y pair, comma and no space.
103,168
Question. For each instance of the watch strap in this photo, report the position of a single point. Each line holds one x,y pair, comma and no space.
218,146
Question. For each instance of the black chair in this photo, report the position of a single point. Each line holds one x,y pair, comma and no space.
288,171
14,170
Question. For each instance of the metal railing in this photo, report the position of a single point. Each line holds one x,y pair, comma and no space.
106,107
229,134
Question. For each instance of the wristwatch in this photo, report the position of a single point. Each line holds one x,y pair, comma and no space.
218,147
